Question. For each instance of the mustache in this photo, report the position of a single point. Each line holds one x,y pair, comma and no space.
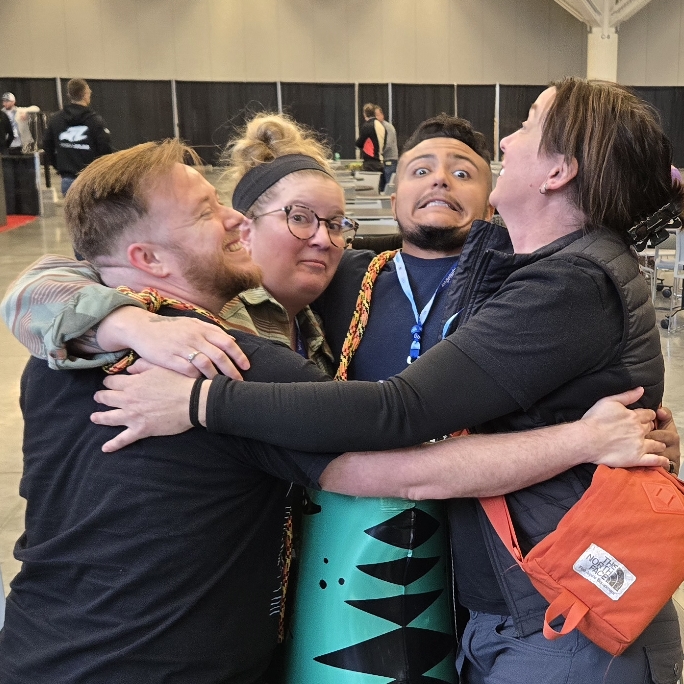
440,197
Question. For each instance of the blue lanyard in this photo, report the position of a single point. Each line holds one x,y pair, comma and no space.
417,329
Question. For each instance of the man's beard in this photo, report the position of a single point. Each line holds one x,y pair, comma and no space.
435,238
217,278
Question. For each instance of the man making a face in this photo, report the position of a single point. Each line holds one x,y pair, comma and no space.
443,187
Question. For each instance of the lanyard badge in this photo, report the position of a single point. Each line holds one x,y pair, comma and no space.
417,329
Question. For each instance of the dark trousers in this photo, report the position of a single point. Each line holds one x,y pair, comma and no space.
389,167
491,653
21,192
67,181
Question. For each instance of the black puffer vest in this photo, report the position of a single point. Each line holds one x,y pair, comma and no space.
637,361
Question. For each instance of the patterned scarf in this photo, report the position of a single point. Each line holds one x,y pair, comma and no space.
359,320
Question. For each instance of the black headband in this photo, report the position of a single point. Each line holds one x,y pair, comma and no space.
259,179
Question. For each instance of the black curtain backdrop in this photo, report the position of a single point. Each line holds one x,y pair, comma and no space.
476,104
210,113
134,111
669,101
32,91
325,107
412,104
377,93
514,104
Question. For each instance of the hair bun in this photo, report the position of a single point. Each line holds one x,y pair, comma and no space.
267,137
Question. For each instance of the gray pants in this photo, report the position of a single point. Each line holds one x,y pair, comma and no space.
491,653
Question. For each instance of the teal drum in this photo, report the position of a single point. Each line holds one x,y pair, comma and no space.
372,604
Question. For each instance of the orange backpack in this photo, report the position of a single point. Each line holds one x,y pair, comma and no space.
615,559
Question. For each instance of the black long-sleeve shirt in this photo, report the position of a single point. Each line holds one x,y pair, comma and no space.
552,323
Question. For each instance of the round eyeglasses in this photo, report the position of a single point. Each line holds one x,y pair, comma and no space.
303,223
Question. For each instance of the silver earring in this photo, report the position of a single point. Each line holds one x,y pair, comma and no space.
542,190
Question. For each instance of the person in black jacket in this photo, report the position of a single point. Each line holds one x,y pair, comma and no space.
371,140
6,133
76,135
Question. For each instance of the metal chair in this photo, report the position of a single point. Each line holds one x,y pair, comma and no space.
650,260
676,265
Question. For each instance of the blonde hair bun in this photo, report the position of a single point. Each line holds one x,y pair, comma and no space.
269,136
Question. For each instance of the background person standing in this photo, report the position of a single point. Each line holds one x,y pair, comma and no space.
390,152
371,139
22,140
76,135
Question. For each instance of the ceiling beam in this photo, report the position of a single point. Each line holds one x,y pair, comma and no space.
603,14
625,9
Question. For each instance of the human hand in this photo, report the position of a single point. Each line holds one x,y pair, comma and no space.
152,401
620,433
171,342
666,432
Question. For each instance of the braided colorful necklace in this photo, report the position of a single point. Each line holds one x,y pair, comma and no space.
359,320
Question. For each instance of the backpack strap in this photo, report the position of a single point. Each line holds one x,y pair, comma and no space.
497,511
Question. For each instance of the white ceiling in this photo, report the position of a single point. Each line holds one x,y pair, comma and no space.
604,14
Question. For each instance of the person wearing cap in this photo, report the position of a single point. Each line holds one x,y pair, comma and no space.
22,140
76,135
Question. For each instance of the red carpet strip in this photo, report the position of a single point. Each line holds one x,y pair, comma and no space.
16,221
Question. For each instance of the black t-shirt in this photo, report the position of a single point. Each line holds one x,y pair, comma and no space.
552,328
157,563
387,340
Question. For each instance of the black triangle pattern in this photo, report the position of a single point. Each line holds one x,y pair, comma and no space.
407,530
378,656
402,572
401,610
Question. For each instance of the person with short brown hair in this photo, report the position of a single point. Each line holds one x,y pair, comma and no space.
78,89
96,217
76,135
165,565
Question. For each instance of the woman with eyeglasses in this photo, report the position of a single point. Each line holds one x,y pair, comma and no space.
295,230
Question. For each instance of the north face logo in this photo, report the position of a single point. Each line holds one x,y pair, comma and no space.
74,134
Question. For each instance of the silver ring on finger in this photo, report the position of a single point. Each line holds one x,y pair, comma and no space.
192,355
